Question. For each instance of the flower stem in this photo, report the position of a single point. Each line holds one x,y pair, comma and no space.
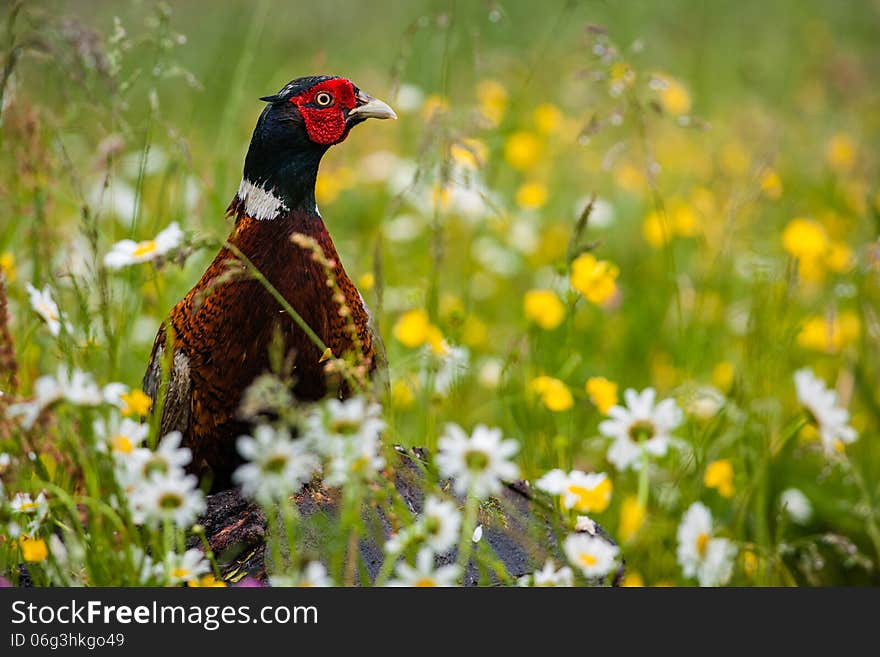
387,567
274,541
466,542
290,517
871,516
644,490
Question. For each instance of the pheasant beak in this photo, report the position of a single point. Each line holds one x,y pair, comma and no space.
371,108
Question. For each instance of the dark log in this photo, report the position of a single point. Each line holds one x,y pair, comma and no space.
520,527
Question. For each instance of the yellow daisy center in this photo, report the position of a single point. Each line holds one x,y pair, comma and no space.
48,311
587,559
144,248
425,582
121,443
702,543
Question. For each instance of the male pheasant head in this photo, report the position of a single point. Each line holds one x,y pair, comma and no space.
294,131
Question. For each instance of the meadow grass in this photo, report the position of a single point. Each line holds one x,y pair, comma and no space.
573,203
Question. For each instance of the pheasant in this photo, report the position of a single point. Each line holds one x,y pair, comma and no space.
222,330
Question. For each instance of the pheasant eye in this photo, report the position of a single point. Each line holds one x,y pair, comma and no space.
323,99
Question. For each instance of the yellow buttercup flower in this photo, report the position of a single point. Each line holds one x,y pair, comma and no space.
632,580
492,98
663,371
602,392
830,334
840,258
674,97
327,189
722,375
771,184
554,394
749,563
630,178
7,266
684,219
135,403
522,150
414,328
434,105
804,239
206,581
593,278
548,118
33,549
469,153
656,230
840,153
632,516
544,308
474,332
402,395
719,475
620,77
367,281
531,196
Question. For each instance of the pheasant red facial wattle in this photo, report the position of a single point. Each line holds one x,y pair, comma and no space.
324,109
219,334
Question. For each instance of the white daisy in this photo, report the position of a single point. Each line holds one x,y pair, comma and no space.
348,434
477,463
121,436
33,511
440,524
79,388
448,367
821,404
409,98
113,392
593,556
44,305
490,372
424,574
277,465
148,571
129,252
705,402
548,576
796,505
641,427
46,392
171,496
314,575
24,503
700,555
579,491
186,567
142,463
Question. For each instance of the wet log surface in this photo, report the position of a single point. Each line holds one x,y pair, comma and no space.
521,529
